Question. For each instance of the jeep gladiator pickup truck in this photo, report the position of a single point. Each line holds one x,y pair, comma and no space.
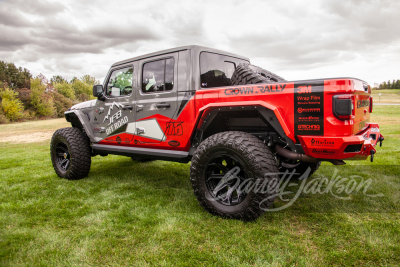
237,123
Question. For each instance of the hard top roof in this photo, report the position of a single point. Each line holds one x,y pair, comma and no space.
176,49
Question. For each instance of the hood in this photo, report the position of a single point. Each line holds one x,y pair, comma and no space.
87,104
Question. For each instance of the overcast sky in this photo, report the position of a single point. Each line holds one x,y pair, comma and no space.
295,39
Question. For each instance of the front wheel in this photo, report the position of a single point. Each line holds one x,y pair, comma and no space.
70,153
234,175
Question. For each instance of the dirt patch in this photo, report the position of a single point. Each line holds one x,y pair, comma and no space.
27,138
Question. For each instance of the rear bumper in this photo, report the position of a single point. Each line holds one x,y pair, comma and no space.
355,147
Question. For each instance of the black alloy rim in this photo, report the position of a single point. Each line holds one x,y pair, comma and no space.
225,177
63,156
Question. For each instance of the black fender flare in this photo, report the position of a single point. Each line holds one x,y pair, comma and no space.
81,121
267,114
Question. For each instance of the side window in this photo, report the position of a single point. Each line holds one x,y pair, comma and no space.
158,76
120,82
216,70
229,68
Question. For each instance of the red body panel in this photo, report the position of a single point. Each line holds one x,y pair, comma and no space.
332,134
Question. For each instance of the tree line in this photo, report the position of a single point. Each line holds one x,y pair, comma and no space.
395,84
23,97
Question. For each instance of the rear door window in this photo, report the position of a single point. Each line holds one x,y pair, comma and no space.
229,68
158,76
216,70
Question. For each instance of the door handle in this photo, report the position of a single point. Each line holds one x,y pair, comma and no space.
140,130
139,108
163,105
127,107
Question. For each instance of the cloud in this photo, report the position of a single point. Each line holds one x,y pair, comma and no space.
297,38
12,18
38,7
314,34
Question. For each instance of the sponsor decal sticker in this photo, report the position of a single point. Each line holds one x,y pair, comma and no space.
309,118
323,151
271,88
98,129
309,109
116,116
116,125
323,143
249,90
308,127
119,140
173,143
304,89
308,100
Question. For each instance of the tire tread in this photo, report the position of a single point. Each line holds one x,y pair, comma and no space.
246,73
79,146
260,159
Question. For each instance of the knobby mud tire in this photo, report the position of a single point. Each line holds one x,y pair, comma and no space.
76,145
257,160
246,73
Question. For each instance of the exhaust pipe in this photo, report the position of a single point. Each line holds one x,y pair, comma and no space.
302,157
293,155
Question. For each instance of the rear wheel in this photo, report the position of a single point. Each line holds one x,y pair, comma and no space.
223,165
70,153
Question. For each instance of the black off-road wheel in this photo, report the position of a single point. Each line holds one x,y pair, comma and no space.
246,73
70,153
223,170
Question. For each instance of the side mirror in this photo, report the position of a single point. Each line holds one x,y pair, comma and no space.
97,90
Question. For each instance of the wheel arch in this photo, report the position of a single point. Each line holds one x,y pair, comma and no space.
81,121
256,117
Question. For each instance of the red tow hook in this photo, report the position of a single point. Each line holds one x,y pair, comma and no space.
372,152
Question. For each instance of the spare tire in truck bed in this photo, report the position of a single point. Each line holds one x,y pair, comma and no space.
246,73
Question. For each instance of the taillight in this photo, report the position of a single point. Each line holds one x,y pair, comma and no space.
370,104
343,107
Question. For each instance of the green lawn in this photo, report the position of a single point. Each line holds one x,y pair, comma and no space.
128,213
387,96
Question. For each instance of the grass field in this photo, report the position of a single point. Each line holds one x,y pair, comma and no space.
142,214
387,96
